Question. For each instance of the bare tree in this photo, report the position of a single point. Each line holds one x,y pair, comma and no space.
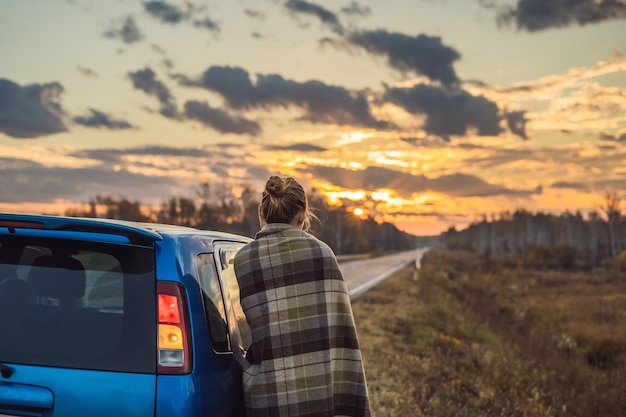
611,209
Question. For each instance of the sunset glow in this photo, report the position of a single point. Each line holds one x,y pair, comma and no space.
424,114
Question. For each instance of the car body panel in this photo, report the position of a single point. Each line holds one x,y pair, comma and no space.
102,394
212,387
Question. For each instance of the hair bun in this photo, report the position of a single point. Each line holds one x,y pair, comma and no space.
276,186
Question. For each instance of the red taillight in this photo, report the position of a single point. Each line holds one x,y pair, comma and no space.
174,340
169,310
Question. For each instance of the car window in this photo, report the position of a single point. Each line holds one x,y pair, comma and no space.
227,257
77,304
213,302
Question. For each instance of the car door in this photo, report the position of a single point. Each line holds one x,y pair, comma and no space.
236,318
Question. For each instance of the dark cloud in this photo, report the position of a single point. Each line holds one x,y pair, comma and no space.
146,81
165,12
100,119
323,103
570,185
30,111
173,15
209,24
220,120
355,9
28,181
537,15
420,54
452,112
116,155
32,182
125,30
593,186
299,147
87,72
516,120
324,15
372,178
613,138
425,142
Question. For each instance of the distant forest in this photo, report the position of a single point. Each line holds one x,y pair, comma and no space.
568,239
562,241
214,207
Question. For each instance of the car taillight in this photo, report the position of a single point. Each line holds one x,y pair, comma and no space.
174,333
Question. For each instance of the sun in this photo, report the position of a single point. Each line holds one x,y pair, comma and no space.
358,211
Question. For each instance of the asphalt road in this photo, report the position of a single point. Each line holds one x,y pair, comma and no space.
362,275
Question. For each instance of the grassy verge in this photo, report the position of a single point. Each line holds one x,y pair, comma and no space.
476,338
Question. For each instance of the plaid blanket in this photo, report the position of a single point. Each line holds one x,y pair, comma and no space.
304,359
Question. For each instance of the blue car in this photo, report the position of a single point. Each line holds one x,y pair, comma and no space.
114,318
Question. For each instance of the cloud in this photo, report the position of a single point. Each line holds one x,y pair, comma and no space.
613,138
146,81
299,147
100,119
30,111
421,54
546,88
593,186
165,12
220,120
172,15
537,15
355,9
572,101
431,141
255,14
126,30
487,158
454,112
323,103
148,174
33,182
207,23
116,155
324,15
516,120
87,72
374,178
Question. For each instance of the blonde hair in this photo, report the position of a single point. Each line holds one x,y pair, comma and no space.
283,199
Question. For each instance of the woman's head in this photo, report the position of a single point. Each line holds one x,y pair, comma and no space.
284,201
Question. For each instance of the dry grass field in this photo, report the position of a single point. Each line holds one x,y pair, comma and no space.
473,337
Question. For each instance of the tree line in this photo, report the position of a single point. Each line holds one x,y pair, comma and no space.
563,240
216,207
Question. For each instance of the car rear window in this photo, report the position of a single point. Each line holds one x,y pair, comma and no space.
77,304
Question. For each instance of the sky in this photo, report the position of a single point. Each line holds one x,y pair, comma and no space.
427,114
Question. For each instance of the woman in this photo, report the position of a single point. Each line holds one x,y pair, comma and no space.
304,359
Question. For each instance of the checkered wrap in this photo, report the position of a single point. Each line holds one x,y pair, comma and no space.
304,359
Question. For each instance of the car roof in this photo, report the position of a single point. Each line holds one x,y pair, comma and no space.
140,233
